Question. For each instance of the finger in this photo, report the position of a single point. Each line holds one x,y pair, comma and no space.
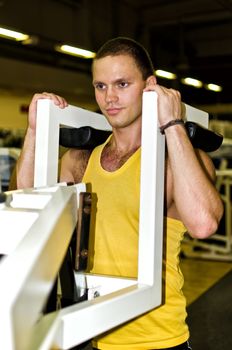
58,100
159,89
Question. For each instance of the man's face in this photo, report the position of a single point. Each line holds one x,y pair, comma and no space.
118,87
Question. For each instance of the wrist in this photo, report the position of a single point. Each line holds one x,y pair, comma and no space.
171,123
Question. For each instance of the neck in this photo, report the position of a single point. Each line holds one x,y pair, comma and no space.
118,151
126,139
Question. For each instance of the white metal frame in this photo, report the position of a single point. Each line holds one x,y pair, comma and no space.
120,297
150,243
49,120
37,226
139,295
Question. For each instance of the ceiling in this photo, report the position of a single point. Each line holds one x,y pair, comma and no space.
191,38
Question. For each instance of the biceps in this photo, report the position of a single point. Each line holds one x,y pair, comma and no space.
207,165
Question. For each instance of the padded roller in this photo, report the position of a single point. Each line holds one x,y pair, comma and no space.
205,139
87,137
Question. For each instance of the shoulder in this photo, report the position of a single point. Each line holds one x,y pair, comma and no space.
73,165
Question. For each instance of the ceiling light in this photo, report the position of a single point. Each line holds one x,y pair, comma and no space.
75,51
11,34
193,82
213,87
164,74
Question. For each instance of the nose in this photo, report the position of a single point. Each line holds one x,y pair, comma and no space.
111,95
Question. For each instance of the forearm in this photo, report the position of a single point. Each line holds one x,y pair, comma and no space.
25,163
197,201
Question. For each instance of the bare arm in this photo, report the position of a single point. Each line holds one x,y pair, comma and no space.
73,165
193,197
191,194
25,164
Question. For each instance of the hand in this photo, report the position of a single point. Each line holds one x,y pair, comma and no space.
58,101
169,102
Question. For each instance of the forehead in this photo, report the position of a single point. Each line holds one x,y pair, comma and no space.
115,67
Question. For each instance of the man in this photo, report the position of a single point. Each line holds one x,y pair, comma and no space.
122,70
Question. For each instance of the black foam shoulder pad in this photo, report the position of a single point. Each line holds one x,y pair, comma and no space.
205,139
87,137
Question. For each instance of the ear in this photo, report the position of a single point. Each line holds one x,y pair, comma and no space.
151,80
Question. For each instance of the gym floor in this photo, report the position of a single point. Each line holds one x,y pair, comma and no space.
200,275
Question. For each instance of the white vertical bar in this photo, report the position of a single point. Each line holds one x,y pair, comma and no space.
47,146
151,195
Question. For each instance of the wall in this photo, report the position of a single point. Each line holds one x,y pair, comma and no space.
10,115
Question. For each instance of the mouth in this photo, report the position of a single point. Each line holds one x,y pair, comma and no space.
113,111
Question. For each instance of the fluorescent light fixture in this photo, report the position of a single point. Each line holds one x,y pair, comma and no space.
164,74
193,82
213,87
11,34
75,51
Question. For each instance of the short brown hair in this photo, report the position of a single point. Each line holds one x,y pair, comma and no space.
126,46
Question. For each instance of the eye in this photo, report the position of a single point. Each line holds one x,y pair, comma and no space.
123,84
99,86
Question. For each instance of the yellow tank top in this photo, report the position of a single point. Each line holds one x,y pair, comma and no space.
114,250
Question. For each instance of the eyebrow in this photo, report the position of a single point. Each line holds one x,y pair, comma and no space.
119,80
94,82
